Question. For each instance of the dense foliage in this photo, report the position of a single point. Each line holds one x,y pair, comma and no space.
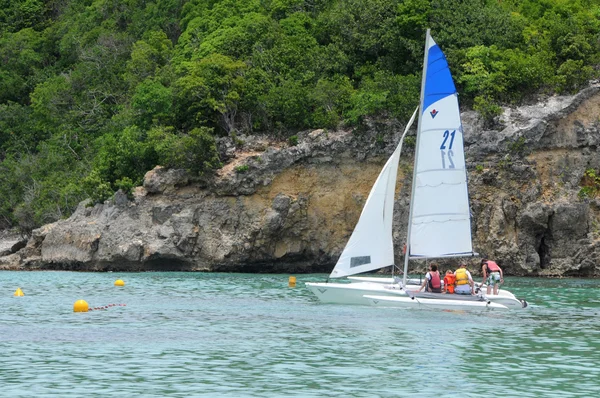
93,93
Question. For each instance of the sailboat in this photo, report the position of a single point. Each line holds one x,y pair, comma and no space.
439,224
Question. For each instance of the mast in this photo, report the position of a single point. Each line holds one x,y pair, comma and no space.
412,194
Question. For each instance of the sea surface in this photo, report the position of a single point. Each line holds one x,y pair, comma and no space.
248,335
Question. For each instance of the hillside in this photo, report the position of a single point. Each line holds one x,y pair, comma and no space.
95,93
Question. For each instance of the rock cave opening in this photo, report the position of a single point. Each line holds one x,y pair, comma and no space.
167,264
544,252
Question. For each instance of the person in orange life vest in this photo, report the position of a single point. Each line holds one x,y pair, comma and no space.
432,282
492,275
449,281
464,280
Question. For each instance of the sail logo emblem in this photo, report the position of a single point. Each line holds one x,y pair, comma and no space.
433,113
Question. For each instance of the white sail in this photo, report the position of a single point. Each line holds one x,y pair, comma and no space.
440,219
371,246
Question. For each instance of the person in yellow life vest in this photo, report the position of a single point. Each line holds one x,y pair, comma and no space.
492,275
464,280
449,282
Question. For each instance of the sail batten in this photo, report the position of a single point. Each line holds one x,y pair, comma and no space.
442,170
449,255
441,214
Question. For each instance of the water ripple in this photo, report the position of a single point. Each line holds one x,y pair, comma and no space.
239,335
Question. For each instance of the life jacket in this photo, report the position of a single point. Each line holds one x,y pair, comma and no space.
435,284
492,267
461,276
449,281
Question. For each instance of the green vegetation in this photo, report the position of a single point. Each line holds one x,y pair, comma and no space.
93,93
590,184
518,147
242,168
410,141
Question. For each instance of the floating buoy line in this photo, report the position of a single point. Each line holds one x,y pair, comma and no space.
82,306
105,307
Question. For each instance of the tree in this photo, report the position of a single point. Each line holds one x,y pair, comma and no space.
196,151
128,153
152,103
148,57
210,90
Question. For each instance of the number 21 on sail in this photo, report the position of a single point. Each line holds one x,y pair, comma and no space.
447,134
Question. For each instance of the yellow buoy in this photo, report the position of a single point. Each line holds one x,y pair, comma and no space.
292,281
81,306
119,282
19,292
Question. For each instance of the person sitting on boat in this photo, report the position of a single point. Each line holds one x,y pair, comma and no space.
492,275
464,280
449,282
432,282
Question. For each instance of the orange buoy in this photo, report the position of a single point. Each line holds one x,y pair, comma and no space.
119,282
292,281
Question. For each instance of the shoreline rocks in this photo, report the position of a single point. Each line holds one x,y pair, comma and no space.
274,207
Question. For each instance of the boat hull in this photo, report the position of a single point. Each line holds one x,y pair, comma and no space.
508,301
442,304
352,293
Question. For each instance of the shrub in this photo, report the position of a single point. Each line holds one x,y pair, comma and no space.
590,184
195,151
97,189
488,110
518,146
573,75
126,185
410,141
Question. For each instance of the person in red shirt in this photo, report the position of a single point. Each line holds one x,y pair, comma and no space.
492,275
432,282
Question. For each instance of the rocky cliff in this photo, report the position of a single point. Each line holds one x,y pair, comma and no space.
281,208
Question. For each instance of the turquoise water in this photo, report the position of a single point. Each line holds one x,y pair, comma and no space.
241,335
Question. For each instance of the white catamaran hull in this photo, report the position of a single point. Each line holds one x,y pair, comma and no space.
507,299
352,293
422,303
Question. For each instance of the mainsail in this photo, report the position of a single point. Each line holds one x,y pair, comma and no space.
439,220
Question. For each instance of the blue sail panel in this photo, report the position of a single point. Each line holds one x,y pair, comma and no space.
438,81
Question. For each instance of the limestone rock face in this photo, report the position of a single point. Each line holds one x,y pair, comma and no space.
280,208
